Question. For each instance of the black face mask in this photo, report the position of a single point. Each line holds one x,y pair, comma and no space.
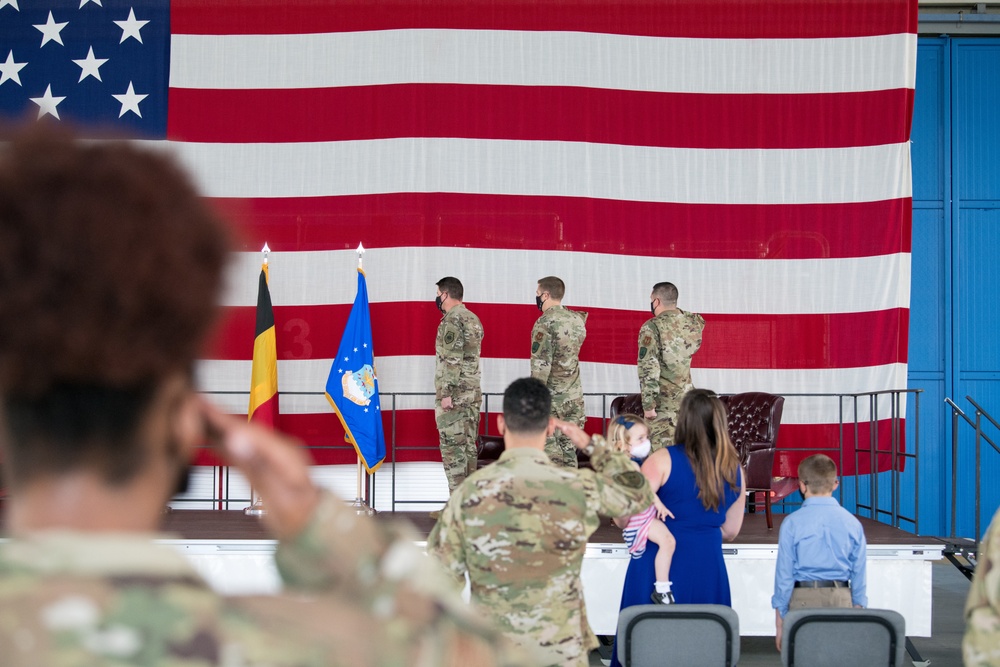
538,302
652,308
438,302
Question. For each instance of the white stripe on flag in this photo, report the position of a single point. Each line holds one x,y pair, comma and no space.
623,281
566,169
539,58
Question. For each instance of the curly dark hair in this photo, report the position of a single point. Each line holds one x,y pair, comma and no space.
110,273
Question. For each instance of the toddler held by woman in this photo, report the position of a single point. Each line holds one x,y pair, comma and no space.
630,433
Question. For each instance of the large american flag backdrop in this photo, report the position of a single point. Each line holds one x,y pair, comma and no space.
754,153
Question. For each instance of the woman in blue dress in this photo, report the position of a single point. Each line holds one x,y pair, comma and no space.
699,479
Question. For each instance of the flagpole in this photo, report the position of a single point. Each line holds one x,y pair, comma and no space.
256,507
359,504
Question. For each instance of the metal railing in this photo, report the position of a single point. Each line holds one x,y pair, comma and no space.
883,453
977,425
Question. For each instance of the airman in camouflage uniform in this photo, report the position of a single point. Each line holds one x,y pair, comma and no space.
666,344
555,360
519,527
457,382
981,644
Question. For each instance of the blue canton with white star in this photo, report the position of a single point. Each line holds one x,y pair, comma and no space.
99,63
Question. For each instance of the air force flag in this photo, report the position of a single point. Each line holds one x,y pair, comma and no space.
352,387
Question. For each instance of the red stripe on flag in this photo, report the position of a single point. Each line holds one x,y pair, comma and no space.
266,413
715,19
537,113
574,224
730,341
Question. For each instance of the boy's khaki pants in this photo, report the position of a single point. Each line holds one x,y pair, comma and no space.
806,598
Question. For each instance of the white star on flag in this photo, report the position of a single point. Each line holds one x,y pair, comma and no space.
9,70
50,30
131,27
91,66
130,101
12,3
47,103
96,2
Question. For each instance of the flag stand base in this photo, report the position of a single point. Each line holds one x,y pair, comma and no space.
361,509
256,509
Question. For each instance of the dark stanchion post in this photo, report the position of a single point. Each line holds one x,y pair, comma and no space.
394,461
955,412
916,462
979,470
873,442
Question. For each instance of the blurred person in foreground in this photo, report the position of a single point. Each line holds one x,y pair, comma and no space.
108,288
981,643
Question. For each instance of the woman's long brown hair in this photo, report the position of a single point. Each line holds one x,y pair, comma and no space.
703,431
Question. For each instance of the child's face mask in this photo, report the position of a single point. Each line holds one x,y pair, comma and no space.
641,449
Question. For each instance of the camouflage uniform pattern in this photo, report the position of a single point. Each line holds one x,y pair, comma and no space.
69,599
457,374
981,644
666,344
556,339
519,528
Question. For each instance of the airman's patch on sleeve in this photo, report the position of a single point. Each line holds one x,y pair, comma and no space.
449,338
534,347
642,353
540,336
647,340
631,479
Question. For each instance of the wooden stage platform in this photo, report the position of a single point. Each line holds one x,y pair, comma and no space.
234,525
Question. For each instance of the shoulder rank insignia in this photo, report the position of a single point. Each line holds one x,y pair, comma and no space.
631,479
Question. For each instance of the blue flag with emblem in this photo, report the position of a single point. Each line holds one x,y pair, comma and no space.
352,387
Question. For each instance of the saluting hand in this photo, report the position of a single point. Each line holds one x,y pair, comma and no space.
276,465
576,435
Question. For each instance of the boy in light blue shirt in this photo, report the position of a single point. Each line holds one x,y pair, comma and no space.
821,549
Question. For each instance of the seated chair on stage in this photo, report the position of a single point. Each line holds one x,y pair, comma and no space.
754,418
681,635
630,404
855,637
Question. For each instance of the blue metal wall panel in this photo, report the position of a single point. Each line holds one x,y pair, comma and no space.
955,273
928,132
975,230
930,287
928,292
977,98
978,282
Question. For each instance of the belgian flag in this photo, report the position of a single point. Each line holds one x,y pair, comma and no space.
264,371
